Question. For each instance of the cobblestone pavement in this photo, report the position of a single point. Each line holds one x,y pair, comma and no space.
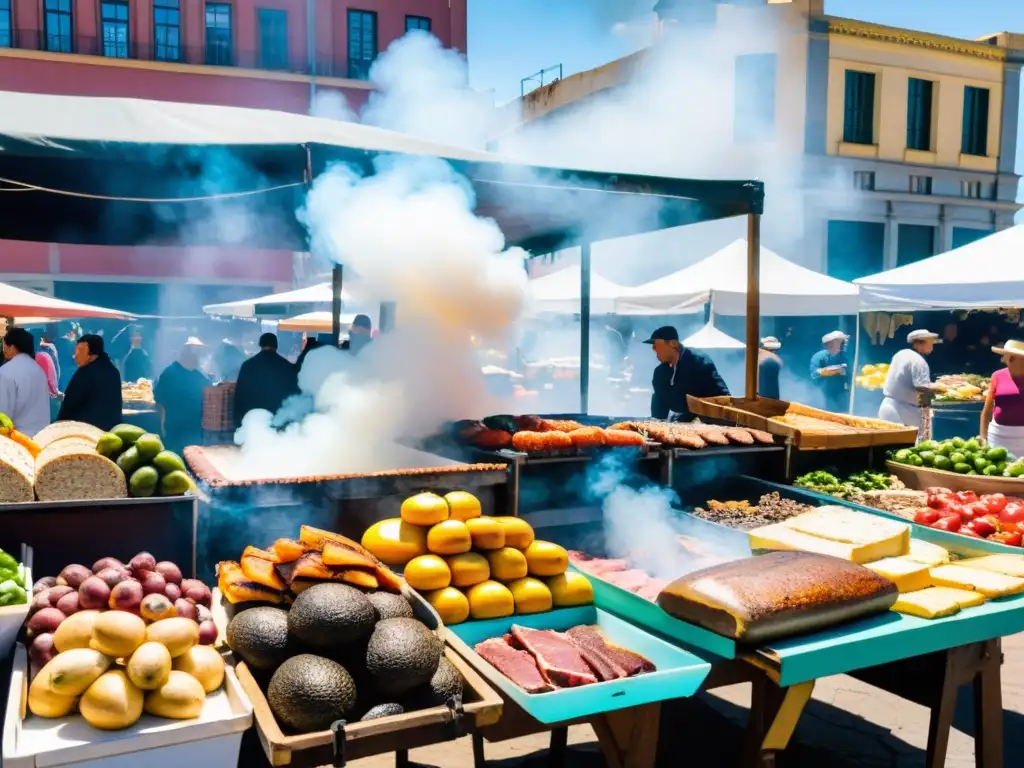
847,724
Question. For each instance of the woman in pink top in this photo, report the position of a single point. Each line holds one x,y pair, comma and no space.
1002,418
46,363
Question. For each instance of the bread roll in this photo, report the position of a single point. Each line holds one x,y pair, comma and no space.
60,430
17,473
69,469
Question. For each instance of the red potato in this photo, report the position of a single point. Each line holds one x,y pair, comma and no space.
56,593
141,562
42,649
153,583
108,562
207,633
69,604
44,583
170,571
186,609
46,620
126,596
73,575
196,590
39,601
172,591
113,576
94,593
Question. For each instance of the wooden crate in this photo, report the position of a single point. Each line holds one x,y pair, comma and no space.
219,407
758,413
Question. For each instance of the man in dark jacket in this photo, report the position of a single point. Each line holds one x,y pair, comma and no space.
94,393
265,380
682,372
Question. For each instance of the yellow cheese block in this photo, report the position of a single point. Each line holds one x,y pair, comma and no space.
927,604
965,598
1009,565
779,537
988,583
880,536
907,575
927,553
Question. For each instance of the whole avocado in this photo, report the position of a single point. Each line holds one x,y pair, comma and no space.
390,606
307,693
444,685
260,636
402,653
327,616
382,710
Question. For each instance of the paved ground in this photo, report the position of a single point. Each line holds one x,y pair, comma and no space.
847,724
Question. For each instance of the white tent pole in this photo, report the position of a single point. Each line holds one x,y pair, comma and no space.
856,363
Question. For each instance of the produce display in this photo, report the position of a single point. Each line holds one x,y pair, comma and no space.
759,599
138,392
12,581
150,470
961,387
771,508
990,516
468,565
542,660
535,435
872,376
694,436
965,457
118,640
8,430
857,483
342,653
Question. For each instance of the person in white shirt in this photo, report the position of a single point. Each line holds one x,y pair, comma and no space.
24,393
909,380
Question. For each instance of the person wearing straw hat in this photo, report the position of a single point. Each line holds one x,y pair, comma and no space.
908,383
769,366
1002,417
830,372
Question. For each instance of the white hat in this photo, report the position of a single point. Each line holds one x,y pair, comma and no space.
771,343
194,341
921,334
1012,347
834,336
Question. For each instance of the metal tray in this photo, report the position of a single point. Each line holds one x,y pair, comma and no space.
680,673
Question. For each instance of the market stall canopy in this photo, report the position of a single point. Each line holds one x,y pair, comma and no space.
113,171
313,322
279,303
710,337
985,274
559,293
787,289
17,302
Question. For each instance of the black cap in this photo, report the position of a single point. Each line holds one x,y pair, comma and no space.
665,333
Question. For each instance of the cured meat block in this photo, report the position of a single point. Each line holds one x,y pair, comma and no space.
621,659
557,657
518,666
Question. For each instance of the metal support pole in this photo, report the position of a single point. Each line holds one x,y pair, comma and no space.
337,277
753,301
584,328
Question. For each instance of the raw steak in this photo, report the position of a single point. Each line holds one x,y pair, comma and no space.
518,666
633,580
593,651
596,565
621,658
557,657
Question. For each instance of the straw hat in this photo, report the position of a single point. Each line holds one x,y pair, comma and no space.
1013,347
771,343
194,341
834,336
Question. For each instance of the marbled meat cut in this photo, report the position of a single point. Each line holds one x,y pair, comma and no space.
620,660
557,658
777,595
518,666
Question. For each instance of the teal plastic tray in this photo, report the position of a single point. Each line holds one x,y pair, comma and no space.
679,674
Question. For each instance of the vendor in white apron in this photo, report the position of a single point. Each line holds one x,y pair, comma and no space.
909,380
1002,418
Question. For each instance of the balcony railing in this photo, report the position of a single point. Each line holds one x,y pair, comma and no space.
211,54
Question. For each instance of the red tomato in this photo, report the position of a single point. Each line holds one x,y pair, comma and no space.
965,531
948,523
1013,538
984,526
941,500
1013,512
994,502
926,516
973,511
966,497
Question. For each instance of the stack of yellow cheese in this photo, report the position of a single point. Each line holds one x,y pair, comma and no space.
964,584
837,531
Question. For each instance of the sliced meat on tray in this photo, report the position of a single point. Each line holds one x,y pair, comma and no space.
518,666
557,658
596,565
623,659
633,580
652,589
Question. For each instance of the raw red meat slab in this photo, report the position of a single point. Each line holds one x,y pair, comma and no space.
632,581
652,589
593,650
632,663
557,657
518,666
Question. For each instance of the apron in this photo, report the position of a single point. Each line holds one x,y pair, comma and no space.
900,413
1010,438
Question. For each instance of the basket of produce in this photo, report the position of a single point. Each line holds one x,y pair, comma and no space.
994,517
806,427
856,484
15,590
577,662
960,465
339,657
542,437
962,388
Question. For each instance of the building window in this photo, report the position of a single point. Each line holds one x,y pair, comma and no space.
6,34
273,38
914,242
975,132
919,114
362,43
114,21
970,189
58,26
859,114
864,180
417,22
218,34
966,235
754,94
921,185
166,30
855,249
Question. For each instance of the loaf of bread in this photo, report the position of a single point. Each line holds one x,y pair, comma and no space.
758,599
17,473
70,469
60,430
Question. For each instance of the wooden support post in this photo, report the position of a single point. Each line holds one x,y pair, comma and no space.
629,737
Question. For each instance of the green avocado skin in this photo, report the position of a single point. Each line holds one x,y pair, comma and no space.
308,693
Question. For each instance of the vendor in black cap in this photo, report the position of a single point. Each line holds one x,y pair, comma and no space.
682,372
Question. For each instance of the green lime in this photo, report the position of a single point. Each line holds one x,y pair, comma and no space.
902,455
916,461
991,469
980,463
1015,470
945,449
943,462
973,472
928,457
927,445
996,454
972,445
957,457
961,468
957,442
1001,466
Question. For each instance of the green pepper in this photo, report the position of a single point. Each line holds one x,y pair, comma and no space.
8,562
20,576
8,599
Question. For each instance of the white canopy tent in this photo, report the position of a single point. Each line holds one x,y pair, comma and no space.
709,337
17,302
247,308
787,289
985,274
559,293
